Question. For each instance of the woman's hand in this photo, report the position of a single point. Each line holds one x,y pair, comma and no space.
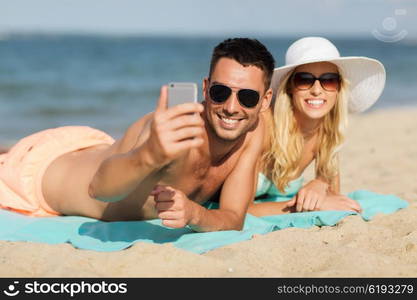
311,196
339,202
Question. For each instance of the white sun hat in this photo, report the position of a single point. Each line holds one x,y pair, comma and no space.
365,75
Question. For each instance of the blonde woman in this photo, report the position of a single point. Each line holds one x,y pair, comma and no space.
314,91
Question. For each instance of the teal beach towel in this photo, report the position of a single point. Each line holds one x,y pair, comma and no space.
92,234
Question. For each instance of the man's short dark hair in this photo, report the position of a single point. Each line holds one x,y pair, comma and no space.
247,52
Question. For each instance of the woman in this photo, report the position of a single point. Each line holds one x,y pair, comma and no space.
314,91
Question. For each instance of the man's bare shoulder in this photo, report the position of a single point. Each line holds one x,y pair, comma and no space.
255,137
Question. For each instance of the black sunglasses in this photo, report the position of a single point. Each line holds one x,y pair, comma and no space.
219,93
328,81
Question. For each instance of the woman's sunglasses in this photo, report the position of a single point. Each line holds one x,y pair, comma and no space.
328,81
219,93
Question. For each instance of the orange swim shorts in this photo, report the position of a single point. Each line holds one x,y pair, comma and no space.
22,168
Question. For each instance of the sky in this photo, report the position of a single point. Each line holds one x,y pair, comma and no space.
211,17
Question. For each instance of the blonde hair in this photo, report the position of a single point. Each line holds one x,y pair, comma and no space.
285,142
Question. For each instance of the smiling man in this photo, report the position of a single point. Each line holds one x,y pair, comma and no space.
171,161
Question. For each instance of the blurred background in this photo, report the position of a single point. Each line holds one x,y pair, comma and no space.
101,63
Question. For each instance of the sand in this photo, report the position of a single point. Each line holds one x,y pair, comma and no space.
380,155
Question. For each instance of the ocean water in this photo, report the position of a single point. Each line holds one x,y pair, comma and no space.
109,82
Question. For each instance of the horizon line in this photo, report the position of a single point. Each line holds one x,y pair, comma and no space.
13,33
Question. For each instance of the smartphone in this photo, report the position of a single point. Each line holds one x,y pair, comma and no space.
181,92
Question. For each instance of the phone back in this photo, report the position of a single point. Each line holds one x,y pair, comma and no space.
181,92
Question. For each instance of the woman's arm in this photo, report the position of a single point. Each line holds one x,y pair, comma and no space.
271,208
335,184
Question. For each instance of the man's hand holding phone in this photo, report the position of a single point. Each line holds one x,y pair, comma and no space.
174,130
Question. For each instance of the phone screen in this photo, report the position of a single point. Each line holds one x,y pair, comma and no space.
181,92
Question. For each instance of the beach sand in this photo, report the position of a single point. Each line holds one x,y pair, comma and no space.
380,155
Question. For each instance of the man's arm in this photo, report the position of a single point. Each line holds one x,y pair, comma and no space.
238,189
164,137
235,196
177,211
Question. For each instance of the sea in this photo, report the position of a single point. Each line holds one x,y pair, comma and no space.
108,82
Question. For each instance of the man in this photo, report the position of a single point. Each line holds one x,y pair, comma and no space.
173,160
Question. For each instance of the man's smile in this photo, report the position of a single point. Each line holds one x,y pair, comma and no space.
228,122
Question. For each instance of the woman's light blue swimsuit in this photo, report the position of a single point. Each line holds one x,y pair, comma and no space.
267,189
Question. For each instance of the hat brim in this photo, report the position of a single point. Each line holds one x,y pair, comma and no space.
366,78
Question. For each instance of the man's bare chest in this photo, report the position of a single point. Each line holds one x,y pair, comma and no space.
198,179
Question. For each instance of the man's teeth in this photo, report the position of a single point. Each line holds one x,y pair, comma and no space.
229,121
315,102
